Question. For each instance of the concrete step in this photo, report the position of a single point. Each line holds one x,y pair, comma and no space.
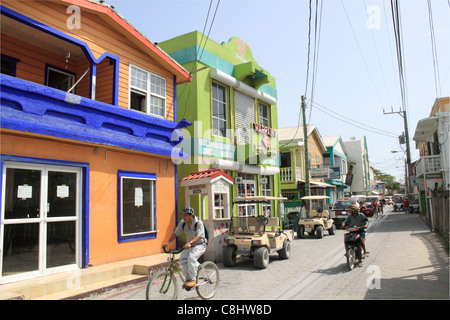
84,282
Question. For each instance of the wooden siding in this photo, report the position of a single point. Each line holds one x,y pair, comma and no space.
100,36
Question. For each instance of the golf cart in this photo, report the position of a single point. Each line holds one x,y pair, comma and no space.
316,221
398,202
256,236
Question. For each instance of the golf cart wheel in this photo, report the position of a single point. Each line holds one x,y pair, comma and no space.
261,257
285,252
319,232
229,256
301,232
332,230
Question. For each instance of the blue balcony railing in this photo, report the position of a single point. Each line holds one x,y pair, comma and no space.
31,107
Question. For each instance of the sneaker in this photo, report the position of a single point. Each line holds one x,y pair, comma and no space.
190,284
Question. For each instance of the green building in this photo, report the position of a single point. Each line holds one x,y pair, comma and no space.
231,103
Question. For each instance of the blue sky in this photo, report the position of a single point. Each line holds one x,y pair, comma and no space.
356,72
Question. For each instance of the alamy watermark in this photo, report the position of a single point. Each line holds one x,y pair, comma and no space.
373,21
74,20
374,280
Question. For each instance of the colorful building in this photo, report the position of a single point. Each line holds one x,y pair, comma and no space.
336,159
432,170
88,130
231,102
292,167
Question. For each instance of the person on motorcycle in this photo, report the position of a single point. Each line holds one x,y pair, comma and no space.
359,220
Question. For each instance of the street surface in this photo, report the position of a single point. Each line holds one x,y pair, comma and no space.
406,261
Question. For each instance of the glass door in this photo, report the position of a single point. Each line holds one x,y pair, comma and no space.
247,188
40,220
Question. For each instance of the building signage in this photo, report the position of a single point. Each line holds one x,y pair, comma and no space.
335,173
197,189
320,172
263,149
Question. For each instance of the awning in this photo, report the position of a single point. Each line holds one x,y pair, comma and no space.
316,184
425,129
244,168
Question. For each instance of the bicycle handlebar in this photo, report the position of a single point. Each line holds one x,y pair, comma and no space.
172,251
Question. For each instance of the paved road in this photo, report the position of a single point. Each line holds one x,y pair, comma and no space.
406,261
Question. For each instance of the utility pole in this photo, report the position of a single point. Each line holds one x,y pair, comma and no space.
305,143
408,152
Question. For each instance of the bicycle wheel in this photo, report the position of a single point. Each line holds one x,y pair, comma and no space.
162,286
207,280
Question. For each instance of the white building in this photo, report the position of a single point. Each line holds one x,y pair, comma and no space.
358,158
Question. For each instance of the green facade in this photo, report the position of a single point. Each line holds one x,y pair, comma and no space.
227,65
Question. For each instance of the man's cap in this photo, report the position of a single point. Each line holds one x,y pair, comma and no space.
188,210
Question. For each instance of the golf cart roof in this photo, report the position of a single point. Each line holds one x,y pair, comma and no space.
315,197
257,199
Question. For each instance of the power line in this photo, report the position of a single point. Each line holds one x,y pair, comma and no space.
378,56
353,122
434,51
362,56
197,59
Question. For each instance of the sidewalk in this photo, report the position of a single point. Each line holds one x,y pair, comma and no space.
406,261
82,283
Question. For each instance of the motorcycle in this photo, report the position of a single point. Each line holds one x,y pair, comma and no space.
353,246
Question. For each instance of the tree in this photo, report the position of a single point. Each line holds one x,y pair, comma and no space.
390,182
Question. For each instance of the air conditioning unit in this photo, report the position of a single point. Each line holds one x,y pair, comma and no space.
262,180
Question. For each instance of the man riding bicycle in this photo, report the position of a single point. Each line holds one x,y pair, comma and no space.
359,220
195,244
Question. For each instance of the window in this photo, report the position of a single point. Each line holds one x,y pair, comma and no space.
245,112
8,65
219,205
219,110
266,190
60,79
285,159
137,203
264,114
147,92
246,188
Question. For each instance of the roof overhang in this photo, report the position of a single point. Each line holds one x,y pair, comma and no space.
108,14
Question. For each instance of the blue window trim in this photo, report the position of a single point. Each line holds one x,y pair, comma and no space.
13,61
83,45
140,175
84,193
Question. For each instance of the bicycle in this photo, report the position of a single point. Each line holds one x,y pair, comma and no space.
163,284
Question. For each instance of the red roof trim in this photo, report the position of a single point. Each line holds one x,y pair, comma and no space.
212,173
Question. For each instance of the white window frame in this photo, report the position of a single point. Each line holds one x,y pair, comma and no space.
70,76
263,120
266,190
149,91
216,131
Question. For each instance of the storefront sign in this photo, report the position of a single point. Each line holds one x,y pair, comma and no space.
319,173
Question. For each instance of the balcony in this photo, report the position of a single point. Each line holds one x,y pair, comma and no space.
33,108
428,164
290,175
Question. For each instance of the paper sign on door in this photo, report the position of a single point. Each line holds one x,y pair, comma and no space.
24,192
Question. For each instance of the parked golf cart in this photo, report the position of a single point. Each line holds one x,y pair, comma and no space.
398,202
316,221
256,236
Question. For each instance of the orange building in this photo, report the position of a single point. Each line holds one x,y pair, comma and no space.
88,116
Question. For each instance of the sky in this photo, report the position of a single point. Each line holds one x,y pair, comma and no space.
352,59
